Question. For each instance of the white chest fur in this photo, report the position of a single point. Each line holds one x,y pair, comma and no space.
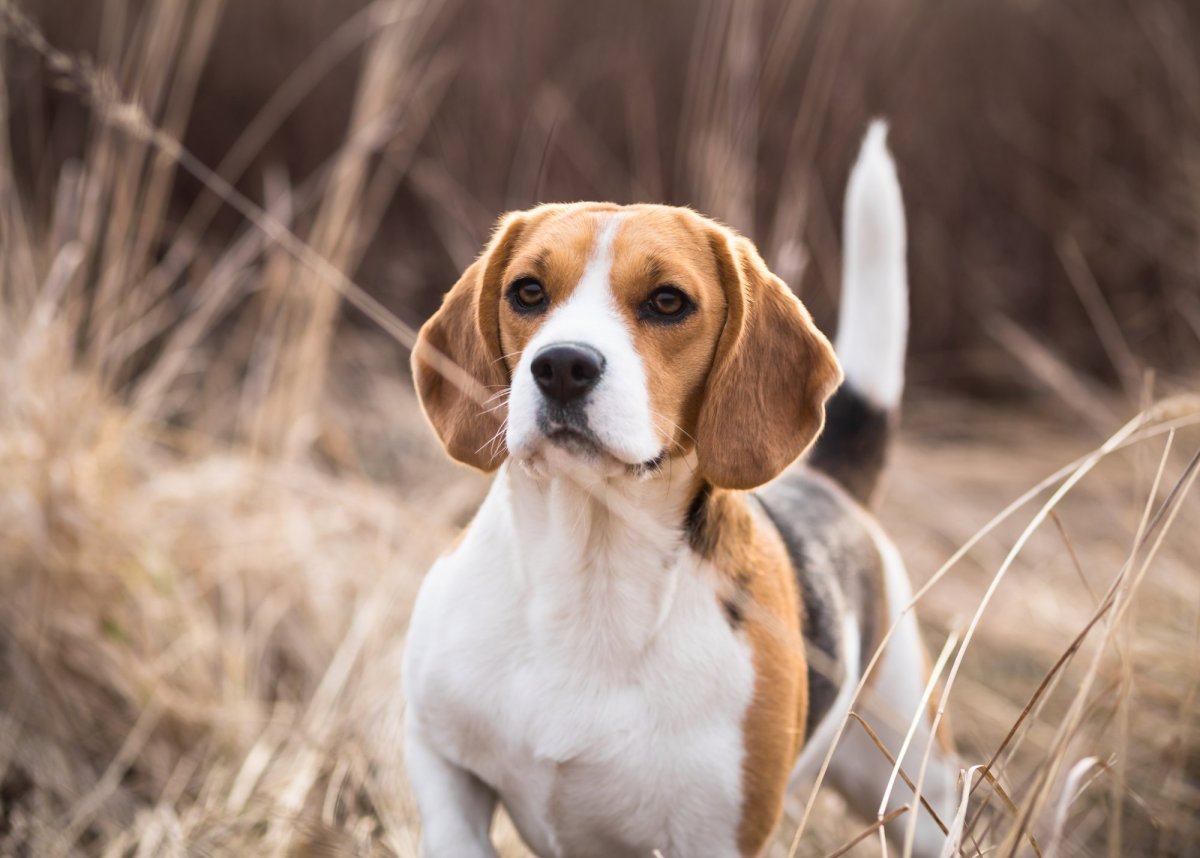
578,662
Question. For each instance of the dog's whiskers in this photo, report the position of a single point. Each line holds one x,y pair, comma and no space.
492,442
507,356
656,416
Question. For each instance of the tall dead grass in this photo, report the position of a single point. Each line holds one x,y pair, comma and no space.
216,505
1049,150
185,594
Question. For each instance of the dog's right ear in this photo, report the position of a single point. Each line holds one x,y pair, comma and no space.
765,398
457,363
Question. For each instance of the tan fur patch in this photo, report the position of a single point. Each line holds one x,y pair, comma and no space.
761,598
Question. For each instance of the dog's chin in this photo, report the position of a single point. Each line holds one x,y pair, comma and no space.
564,451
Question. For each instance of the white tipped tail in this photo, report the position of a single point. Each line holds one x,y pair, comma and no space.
873,325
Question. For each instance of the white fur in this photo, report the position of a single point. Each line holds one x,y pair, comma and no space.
618,408
873,325
573,656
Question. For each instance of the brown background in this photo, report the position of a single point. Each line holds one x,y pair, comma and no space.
1042,145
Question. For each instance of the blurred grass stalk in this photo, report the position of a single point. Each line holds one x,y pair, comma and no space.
303,308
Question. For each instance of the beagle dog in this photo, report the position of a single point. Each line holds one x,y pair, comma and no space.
658,619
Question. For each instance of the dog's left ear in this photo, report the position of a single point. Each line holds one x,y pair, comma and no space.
457,362
771,374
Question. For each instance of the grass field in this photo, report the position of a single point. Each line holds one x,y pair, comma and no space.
217,501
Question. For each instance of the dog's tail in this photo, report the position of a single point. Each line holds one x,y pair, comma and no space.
873,326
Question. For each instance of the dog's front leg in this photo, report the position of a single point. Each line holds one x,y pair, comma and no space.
456,807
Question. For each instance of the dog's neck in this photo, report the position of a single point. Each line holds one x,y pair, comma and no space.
601,557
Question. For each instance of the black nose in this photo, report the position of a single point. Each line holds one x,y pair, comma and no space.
567,371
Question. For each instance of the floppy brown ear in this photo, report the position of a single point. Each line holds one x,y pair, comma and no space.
771,374
457,362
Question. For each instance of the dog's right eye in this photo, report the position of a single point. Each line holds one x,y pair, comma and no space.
526,295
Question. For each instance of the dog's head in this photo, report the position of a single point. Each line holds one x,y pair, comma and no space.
619,336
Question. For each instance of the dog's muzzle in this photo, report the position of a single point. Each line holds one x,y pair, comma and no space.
565,373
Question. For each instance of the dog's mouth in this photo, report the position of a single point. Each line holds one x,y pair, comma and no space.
573,440
569,431
580,441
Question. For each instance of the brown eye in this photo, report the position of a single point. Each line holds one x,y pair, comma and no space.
527,294
666,304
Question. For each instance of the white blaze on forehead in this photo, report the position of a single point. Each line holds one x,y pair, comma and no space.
594,291
590,314
618,409
600,262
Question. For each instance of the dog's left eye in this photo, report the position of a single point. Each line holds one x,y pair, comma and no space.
527,295
666,304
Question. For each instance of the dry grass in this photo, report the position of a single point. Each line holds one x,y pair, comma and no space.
216,505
